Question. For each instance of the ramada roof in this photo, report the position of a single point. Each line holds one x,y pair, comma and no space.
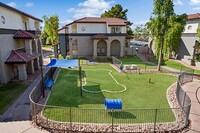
20,56
193,16
22,34
18,11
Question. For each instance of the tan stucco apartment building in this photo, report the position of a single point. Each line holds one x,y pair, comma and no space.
189,36
20,44
95,37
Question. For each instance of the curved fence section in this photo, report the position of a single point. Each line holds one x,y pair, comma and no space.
65,119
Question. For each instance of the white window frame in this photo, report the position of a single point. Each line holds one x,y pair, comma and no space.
116,29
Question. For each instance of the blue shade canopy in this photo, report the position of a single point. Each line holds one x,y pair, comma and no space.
63,63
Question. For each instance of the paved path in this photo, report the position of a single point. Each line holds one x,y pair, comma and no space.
194,93
142,58
171,69
19,127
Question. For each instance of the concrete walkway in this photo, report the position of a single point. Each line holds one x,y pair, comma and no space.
193,91
143,59
19,127
171,69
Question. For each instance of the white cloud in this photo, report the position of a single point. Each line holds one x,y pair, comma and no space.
90,8
196,8
178,2
194,2
142,22
29,4
12,4
62,23
139,23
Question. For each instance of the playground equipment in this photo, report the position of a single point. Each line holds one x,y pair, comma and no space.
113,103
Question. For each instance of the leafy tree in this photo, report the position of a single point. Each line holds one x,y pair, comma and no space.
165,28
50,33
117,11
140,33
197,46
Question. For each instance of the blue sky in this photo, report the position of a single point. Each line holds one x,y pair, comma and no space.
139,11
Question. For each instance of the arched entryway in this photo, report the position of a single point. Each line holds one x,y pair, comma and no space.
101,48
115,47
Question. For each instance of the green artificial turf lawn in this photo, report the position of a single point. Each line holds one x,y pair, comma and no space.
139,94
9,93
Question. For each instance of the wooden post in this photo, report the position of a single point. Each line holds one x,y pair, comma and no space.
80,76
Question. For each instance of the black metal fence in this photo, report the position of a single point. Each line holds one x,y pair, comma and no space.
64,119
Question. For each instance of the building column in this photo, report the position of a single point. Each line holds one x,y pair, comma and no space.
108,48
36,64
30,67
94,48
121,49
36,45
28,46
22,71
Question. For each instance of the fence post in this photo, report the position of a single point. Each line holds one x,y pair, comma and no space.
183,101
112,120
155,120
187,115
70,118
145,66
192,75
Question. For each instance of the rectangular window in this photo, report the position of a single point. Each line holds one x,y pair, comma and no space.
115,30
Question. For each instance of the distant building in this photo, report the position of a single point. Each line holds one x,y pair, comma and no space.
189,37
95,37
20,44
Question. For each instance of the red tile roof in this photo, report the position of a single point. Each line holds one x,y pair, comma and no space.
22,34
193,16
18,11
20,56
109,21
99,36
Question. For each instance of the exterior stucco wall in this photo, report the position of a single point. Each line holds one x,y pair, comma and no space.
186,46
92,27
14,20
7,45
84,46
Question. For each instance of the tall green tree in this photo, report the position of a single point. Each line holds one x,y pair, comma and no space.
162,27
197,46
117,11
51,29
